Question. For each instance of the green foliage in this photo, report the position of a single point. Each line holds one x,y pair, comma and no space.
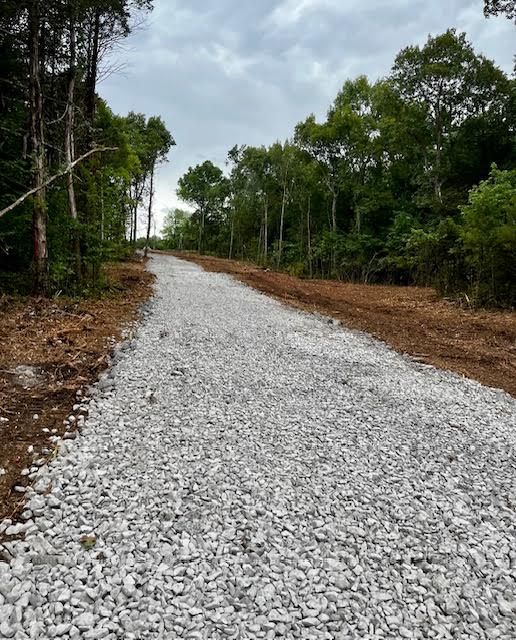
205,188
488,233
202,186
91,223
377,191
435,256
179,230
497,7
450,86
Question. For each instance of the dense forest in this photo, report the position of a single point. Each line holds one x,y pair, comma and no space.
73,175
409,179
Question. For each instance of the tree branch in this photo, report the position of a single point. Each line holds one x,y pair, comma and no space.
59,174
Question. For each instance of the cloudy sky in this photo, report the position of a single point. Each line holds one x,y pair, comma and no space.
226,72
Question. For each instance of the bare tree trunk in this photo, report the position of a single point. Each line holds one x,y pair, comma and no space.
70,146
39,218
69,126
102,216
260,238
232,236
149,217
282,220
334,210
134,215
334,228
439,147
130,216
201,231
91,76
135,224
309,241
438,158
131,220
136,192
265,230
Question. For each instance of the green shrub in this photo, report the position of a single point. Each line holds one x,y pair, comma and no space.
489,237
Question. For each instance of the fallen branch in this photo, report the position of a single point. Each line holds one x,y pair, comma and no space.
59,174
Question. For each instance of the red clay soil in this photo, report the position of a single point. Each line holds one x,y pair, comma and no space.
478,344
67,342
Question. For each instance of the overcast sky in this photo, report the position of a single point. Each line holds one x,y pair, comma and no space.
226,72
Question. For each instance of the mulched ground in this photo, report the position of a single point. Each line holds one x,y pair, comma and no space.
478,344
67,343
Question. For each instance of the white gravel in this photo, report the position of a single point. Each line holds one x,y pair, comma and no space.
251,471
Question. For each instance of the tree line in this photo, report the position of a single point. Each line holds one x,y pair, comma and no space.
409,179
73,175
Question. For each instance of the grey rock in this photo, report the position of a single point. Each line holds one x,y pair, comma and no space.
261,473
85,621
6,631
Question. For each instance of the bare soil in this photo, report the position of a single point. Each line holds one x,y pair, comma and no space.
65,343
478,344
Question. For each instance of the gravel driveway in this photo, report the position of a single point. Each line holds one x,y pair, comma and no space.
251,471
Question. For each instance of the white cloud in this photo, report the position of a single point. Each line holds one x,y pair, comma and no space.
289,12
229,60
225,72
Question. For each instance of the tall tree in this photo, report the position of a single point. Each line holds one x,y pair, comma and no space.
375,190
39,224
353,121
107,22
282,162
69,134
48,107
321,142
205,188
449,83
158,142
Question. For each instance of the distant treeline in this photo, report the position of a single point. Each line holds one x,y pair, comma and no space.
408,180
76,172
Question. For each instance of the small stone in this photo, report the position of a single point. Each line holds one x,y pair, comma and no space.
506,608
85,621
64,596
14,530
6,631
277,616
310,622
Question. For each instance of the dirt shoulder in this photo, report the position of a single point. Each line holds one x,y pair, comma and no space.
477,344
50,350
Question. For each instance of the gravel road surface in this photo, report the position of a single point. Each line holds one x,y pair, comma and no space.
251,471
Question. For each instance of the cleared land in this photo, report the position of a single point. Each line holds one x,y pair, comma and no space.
475,343
250,471
64,344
